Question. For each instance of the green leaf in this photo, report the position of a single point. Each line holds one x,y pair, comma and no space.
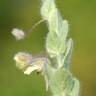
55,21
68,54
47,7
62,83
58,31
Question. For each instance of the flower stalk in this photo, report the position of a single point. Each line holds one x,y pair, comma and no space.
55,68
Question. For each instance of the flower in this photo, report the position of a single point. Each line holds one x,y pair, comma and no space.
18,34
28,64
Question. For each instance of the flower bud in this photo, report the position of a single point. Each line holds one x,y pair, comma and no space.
18,34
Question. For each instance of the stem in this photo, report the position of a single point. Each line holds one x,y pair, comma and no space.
35,25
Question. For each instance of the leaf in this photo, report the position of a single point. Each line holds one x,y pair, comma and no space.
58,31
62,83
47,7
55,21
68,54
52,44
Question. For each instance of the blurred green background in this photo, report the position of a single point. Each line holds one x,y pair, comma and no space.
23,14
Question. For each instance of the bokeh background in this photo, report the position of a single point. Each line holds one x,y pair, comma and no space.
23,14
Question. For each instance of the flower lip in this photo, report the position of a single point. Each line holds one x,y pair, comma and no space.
22,56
